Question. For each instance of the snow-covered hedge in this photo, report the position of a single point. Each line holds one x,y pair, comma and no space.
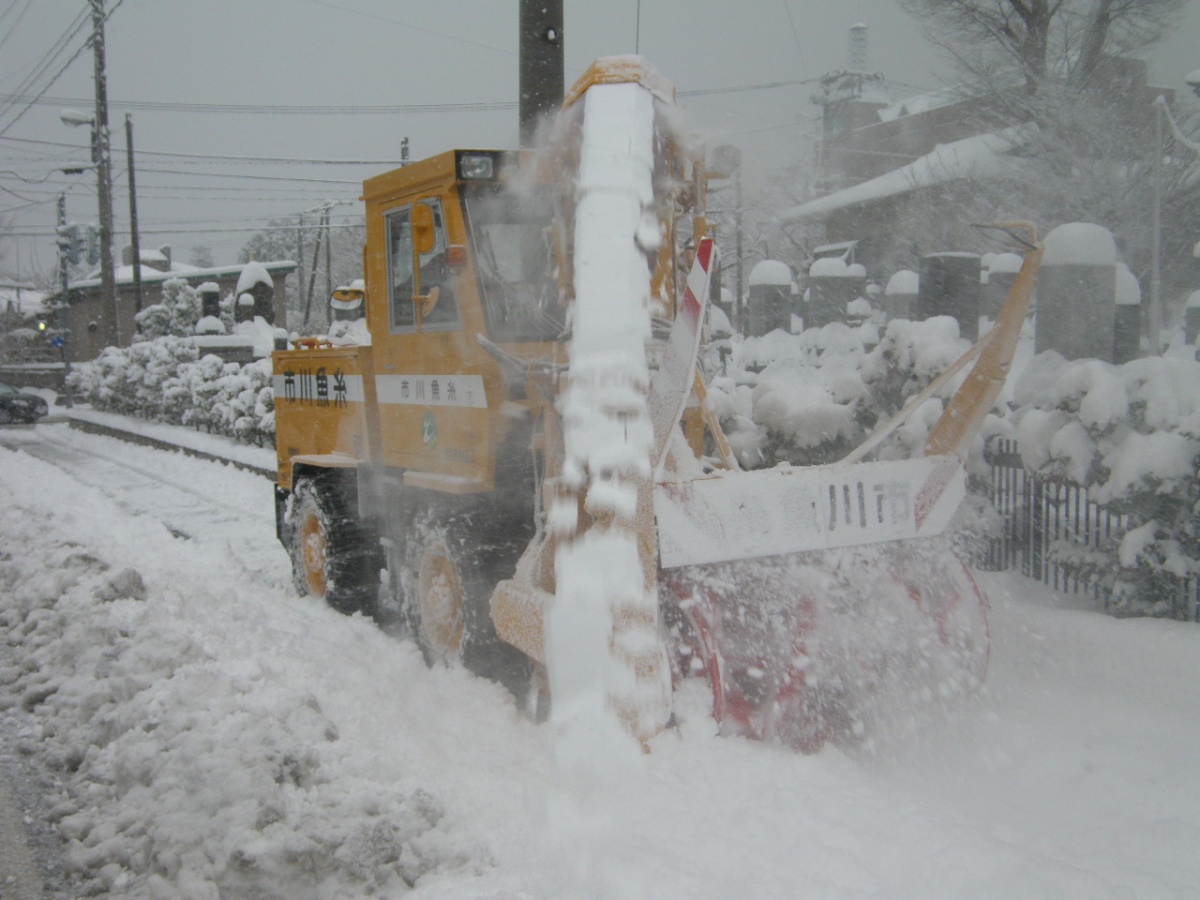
162,377
812,397
166,380
1130,435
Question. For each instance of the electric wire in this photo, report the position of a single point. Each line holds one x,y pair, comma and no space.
795,37
44,62
250,177
108,15
12,29
408,26
390,109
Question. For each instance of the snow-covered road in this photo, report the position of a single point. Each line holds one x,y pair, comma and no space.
218,737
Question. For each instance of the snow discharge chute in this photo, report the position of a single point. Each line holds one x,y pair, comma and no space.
603,651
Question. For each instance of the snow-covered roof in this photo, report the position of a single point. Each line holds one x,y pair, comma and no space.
23,299
911,106
979,156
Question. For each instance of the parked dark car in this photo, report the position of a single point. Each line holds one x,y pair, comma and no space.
18,406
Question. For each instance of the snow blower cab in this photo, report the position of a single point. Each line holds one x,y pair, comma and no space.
512,470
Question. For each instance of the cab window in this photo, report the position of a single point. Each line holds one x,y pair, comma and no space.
428,300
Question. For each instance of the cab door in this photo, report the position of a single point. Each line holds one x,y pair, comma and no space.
434,380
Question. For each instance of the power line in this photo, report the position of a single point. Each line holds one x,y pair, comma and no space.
342,109
57,74
408,26
218,158
250,177
46,60
250,229
795,37
284,109
11,29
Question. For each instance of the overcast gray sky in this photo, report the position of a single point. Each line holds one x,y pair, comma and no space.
184,69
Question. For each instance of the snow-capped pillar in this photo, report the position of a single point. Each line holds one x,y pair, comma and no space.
1002,269
1076,306
832,286
769,303
604,659
949,286
1127,318
1191,318
900,295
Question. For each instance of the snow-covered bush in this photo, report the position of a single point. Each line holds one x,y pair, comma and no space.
166,380
129,380
812,397
1130,435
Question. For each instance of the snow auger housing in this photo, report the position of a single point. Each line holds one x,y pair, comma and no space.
502,471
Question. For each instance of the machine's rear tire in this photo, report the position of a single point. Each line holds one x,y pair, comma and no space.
334,555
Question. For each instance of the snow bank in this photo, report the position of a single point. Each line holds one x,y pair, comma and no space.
197,760
222,738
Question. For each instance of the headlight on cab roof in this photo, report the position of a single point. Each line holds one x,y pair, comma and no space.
475,165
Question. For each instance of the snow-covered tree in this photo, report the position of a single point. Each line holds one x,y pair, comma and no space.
1043,40
176,315
202,257
1065,69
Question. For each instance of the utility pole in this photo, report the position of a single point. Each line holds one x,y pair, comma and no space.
108,286
133,222
300,263
328,264
64,307
541,64
1154,325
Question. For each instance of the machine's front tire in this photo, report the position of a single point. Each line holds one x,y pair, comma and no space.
334,555
451,567
435,602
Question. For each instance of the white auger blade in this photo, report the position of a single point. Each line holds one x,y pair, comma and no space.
771,512
671,385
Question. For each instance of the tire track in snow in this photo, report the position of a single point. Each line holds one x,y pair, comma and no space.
147,482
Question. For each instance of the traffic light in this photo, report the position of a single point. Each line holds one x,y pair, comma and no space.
70,243
93,245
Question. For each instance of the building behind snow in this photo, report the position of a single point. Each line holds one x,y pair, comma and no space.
157,267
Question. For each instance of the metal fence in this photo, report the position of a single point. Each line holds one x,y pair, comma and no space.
1051,531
